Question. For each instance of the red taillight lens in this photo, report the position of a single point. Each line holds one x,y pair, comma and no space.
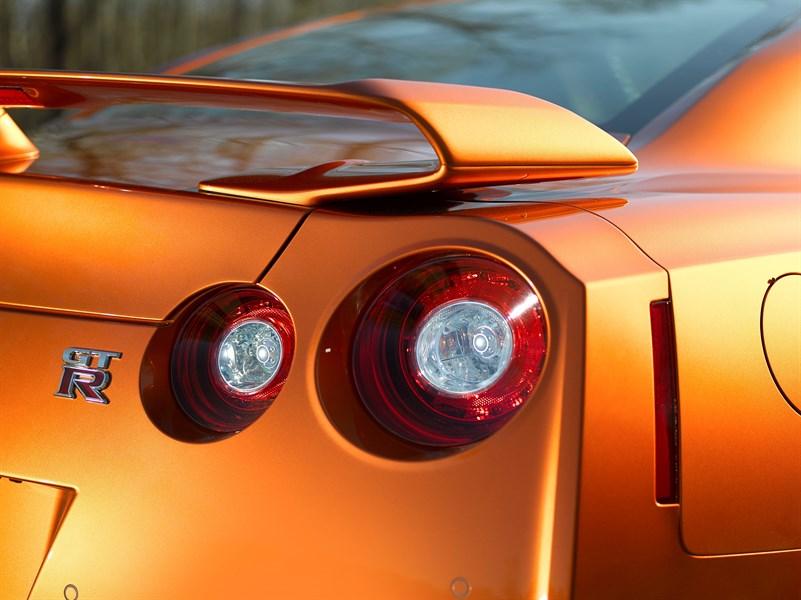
232,357
665,403
450,350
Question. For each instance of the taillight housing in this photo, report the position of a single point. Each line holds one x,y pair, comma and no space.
231,357
449,349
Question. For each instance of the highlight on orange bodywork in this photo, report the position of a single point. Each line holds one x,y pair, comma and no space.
38,509
16,150
751,119
481,136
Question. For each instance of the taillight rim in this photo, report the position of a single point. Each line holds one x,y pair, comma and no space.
396,420
197,384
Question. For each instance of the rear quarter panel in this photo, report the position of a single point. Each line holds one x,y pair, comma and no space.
291,507
740,439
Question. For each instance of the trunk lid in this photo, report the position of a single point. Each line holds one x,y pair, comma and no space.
131,253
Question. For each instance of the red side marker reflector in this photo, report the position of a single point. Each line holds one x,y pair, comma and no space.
12,97
666,403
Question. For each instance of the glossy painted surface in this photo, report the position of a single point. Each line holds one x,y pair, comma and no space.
741,478
127,253
740,452
153,486
618,66
749,461
480,136
315,501
533,463
749,121
16,150
36,511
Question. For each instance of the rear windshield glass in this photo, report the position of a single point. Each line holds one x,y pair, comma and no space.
618,63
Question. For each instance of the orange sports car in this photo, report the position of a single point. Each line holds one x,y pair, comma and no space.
412,327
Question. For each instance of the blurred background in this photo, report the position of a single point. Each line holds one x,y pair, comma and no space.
141,35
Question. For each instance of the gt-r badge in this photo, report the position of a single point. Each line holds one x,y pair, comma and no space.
80,375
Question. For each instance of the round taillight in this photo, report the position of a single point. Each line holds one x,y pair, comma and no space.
231,358
449,350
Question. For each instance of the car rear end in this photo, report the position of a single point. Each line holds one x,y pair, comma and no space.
465,393
315,497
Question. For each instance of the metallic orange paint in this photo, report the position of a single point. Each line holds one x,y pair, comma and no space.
65,250
37,511
750,120
16,150
312,500
161,486
480,136
719,266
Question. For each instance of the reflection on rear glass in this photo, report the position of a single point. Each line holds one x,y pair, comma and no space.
594,57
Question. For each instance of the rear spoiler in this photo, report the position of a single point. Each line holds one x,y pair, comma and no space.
481,136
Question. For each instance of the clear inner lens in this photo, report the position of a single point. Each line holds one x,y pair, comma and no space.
249,356
463,347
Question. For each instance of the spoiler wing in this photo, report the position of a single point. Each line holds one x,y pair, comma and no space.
481,136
